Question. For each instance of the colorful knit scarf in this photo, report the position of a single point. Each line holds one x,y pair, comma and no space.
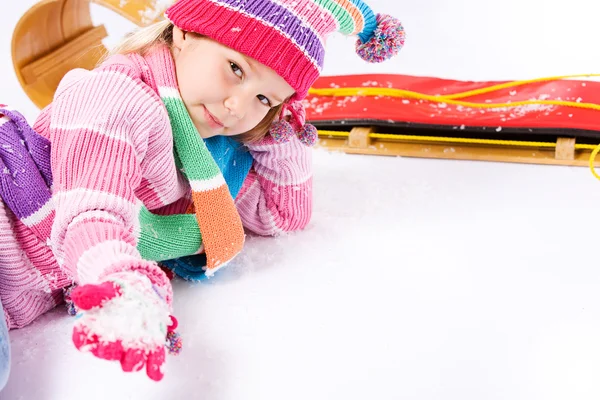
220,224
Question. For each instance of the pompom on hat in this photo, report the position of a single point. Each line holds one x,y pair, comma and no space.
289,36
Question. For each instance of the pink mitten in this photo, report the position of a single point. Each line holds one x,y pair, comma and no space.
125,318
293,122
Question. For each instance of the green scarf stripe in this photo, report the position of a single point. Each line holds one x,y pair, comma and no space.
164,237
199,164
342,15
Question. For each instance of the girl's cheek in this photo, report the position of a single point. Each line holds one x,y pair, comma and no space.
246,124
225,79
257,117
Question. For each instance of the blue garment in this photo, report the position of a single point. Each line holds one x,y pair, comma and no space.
235,161
4,350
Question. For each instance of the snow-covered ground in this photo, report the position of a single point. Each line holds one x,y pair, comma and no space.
416,279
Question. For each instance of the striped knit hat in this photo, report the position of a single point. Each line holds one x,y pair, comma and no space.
289,35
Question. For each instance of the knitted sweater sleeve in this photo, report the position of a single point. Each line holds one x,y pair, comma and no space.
276,196
99,126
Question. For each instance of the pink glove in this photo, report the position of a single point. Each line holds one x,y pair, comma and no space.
293,122
125,318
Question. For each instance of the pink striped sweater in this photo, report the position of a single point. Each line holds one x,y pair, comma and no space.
111,154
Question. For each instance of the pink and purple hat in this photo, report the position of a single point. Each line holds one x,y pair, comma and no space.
289,35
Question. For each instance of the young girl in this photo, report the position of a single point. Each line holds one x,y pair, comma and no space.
140,160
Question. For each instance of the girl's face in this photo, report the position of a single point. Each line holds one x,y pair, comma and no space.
225,92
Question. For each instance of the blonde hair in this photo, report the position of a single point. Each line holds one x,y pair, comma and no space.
142,40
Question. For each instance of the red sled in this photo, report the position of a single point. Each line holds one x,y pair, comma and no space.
551,121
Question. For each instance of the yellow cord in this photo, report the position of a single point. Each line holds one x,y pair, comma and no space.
593,159
508,85
451,99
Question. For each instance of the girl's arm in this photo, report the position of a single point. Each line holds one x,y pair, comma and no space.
276,196
101,127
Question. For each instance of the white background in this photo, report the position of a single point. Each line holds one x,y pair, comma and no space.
416,279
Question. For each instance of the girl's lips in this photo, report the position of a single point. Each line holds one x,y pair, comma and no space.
212,120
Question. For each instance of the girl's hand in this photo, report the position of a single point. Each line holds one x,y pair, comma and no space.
125,318
293,123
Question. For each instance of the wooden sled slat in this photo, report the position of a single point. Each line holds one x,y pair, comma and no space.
140,12
565,149
56,64
563,153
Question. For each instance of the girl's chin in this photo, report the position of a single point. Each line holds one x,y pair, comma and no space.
208,133
205,132
205,135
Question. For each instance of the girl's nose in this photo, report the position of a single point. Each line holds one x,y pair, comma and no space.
238,105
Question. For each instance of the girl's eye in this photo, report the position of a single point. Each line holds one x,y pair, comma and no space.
236,70
264,100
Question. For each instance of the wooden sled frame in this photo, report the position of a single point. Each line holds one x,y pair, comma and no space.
55,36
366,140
